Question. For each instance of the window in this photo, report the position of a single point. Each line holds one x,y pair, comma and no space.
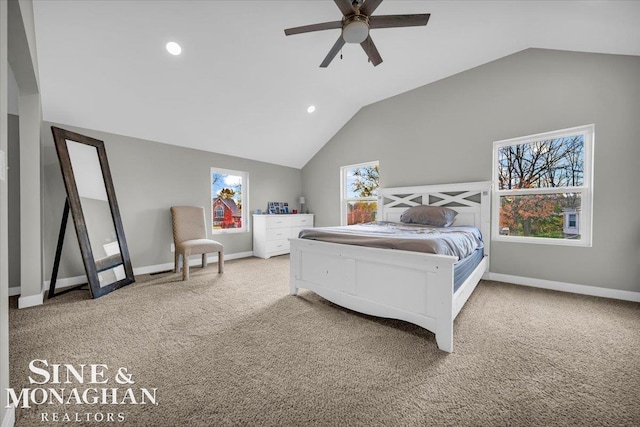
543,188
219,213
229,197
359,193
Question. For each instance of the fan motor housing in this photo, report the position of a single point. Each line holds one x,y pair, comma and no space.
355,29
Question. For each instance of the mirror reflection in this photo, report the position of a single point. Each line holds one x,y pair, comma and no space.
97,213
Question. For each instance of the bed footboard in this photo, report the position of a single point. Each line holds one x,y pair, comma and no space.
409,286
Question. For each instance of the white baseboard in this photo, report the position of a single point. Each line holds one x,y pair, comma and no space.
65,282
14,291
192,261
156,268
9,417
567,287
31,300
78,280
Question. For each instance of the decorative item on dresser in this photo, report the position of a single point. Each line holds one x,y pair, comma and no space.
271,233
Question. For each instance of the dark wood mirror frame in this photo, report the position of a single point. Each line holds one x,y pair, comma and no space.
91,265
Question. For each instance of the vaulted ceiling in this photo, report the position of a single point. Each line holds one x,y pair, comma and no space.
241,87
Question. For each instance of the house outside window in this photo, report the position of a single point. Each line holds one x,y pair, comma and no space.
359,193
219,213
571,221
229,200
543,188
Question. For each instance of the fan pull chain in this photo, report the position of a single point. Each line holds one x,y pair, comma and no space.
340,53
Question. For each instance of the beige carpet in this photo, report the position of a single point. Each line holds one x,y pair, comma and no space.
236,349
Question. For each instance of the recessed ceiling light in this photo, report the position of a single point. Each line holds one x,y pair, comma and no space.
311,109
174,48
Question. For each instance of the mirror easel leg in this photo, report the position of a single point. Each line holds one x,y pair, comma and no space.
56,261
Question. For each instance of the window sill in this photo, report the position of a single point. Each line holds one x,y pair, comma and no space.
229,231
583,242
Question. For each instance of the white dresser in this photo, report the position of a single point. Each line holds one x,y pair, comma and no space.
271,233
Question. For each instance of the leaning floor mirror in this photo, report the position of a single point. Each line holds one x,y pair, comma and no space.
91,199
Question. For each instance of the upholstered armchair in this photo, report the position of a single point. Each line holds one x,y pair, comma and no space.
190,238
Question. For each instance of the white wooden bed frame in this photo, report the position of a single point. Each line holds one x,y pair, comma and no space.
410,286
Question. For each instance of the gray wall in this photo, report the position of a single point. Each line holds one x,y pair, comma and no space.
13,161
149,178
444,132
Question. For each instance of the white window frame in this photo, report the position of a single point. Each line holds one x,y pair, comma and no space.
245,201
343,189
586,190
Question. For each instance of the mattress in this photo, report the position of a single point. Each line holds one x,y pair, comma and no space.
459,241
463,268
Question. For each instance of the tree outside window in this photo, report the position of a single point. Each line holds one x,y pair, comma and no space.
543,183
359,191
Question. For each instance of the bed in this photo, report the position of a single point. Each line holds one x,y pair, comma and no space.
412,286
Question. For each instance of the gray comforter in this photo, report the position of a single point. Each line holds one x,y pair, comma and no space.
457,241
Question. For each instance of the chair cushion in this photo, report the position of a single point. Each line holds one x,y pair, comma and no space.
199,246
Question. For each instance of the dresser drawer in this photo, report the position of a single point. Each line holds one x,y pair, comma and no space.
302,221
276,246
279,233
278,222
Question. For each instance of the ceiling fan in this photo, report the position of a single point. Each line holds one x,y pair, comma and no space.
356,23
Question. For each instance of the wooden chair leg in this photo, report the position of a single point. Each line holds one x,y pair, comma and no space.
185,267
220,262
176,262
204,260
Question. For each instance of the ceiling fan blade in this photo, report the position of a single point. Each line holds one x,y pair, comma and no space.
370,6
345,7
371,50
313,27
391,21
333,52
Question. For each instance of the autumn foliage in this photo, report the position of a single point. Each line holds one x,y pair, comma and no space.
360,212
532,215
366,181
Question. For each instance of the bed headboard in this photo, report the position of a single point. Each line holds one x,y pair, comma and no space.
470,199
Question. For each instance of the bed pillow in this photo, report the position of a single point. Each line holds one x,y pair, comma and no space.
437,216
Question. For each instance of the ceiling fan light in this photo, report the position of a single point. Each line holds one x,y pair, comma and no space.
355,32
